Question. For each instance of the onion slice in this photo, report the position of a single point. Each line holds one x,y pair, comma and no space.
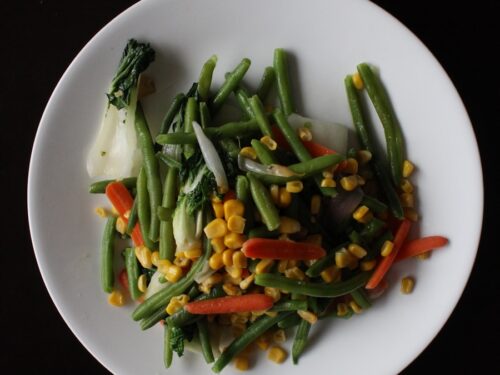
342,206
248,165
212,158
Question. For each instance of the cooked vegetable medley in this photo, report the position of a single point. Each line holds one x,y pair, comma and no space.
247,231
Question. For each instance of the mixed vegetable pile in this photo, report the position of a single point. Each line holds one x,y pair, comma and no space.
245,229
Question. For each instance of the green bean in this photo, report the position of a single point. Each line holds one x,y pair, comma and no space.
193,292
230,147
290,306
168,352
168,160
313,289
205,79
265,155
204,115
144,207
230,84
190,115
243,100
107,250
266,83
152,171
290,321
228,130
291,136
360,297
374,250
164,214
392,131
258,112
133,273
173,110
317,267
355,237
252,332
132,218
317,165
162,297
374,204
270,179
366,140
283,81
203,336
99,187
242,189
264,203
263,232
167,241
372,229
154,318
300,340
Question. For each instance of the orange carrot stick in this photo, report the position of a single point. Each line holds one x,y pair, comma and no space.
278,249
230,304
420,246
315,149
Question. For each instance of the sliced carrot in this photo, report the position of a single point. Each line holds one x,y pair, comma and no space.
123,279
315,149
230,304
420,246
231,194
386,262
280,249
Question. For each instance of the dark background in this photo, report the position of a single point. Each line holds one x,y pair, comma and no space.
40,38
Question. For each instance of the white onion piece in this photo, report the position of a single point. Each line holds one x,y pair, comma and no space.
248,165
212,158
155,285
327,133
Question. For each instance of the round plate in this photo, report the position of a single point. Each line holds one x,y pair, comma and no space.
326,40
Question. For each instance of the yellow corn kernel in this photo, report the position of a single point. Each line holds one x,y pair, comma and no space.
204,288
248,152
277,354
121,225
227,257
233,207
231,290
228,278
218,208
234,272
116,298
327,173
408,168
357,81
342,258
425,255
350,166
212,280
101,212
295,273
407,284
285,198
192,253
356,250
142,283
215,261
263,342
305,134
238,319
174,273
239,260
236,224
328,182
163,264
272,314
274,190
387,248
406,186
241,363
218,244
182,261
355,307
279,337
407,200
245,283
214,198
284,237
274,293
315,204
330,274
308,316
143,255
263,266
282,266
368,265
216,228
349,183
360,212
411,214
155,257
361,180
342,309
294,186
176,303
288,225
363,156
269,142
114,211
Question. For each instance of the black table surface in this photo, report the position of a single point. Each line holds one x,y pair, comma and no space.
39,40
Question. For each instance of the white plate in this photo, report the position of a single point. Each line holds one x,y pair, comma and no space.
327,38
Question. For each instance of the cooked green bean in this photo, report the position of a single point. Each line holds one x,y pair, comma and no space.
317,267
372,229
99,187
283,81
290,321
228,130
203,336
258,112
263,232
154,318
152,169
230,147
167,241
107,251
291,136
168,352
133,217
316,165
289,306
204,115
168,160
313,289
205,80
265,155
300,340
242,189
164,214
230,84
270,179
360,297
266,83
190,115
392,131
133,273
373,204
264,203
173,110
144,207
243,100
252,332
